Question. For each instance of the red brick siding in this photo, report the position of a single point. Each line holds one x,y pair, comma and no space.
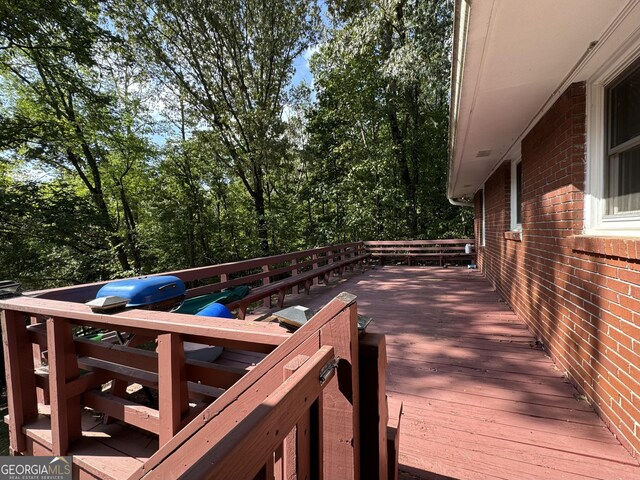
579,295
477,226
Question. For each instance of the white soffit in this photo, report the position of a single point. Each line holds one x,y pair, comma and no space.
518,55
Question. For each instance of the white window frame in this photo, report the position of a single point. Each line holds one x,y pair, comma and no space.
484,220
597,221
515,226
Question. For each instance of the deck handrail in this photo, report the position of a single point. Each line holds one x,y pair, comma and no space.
47,325
253,336
295,402
226,275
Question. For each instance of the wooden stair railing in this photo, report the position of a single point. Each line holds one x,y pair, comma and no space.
300,406
195,450
69,388
297,402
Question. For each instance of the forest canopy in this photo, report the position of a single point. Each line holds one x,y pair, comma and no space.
138,137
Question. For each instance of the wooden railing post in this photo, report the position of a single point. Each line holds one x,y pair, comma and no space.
18,364
294,273
41,393
351,252
327,274
173,395
296,451
66,411
315,267
340,258
266,281
373,412
341,399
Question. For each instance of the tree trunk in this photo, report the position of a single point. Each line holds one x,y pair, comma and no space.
131,235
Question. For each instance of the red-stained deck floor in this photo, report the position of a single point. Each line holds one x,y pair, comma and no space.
480,400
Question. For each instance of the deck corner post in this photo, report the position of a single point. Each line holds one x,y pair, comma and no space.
295,455
341,399
173,395
19,370
66,412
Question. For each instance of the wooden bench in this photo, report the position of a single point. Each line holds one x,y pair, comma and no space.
440,250
280,287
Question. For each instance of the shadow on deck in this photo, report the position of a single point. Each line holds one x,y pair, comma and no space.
481,398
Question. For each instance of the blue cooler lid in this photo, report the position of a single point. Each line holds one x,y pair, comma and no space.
144,290
215,310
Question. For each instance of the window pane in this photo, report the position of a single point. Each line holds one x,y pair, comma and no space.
624,182
624,109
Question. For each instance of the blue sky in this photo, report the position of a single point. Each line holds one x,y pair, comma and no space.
301,65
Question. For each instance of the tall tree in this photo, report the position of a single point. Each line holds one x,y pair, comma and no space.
59,109
233,61
382,78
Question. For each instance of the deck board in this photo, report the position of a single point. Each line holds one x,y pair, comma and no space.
481,399
100,445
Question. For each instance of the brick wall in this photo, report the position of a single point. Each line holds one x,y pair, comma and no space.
579,295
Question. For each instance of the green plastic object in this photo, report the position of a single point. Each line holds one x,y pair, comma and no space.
191,306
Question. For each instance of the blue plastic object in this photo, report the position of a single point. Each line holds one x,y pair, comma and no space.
215,310
144,291
205,353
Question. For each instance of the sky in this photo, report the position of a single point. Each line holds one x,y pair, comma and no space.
301,65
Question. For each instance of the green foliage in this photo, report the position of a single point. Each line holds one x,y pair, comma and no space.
140,137
47,236
230,60
380,124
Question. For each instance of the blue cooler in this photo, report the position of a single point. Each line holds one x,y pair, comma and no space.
163,292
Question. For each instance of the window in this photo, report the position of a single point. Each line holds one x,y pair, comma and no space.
623,143
612,201
516,195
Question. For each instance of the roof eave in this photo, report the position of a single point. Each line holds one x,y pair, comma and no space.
460,28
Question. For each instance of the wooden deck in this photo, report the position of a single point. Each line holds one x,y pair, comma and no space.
481,400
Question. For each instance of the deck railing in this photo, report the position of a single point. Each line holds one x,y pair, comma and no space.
215,278
297,411
428,250
248,429
267,276
66,369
